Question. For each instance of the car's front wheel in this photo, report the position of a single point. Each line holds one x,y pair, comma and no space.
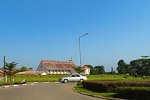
81,80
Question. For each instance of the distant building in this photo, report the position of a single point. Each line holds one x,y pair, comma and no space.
86,70
1,72
32,73
57,67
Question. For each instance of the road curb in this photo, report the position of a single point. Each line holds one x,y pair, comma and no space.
108,98
6,86
35,82
15,85
46,82
24,84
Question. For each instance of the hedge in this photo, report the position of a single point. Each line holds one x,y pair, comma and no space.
110,86
134,93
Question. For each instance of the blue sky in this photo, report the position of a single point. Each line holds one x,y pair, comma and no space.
32,30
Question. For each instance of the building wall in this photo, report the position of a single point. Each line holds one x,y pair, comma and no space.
54,69
41,68
59,71
1,73
87,71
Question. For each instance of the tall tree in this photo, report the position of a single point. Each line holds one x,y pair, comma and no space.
122,68
99,69
140,66
10,69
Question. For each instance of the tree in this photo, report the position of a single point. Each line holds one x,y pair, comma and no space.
140,66
79,69
144,57
112,70
96,70
30,68
10,69
99,69
23,68
122,68
90,66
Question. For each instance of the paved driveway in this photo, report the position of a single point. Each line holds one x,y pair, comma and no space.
43,91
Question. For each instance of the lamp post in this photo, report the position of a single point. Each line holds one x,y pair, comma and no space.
80,46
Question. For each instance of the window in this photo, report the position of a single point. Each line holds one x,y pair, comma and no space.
69,71
73,76
77,75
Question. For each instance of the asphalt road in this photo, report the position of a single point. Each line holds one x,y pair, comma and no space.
41,91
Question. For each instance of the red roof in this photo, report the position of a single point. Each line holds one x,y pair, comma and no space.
1,72
85,67
62,65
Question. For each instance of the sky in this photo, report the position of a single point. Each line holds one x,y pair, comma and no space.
35,30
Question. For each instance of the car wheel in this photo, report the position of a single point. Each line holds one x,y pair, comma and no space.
65,81
81,80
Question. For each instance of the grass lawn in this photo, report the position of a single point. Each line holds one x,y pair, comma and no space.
80,88
54,78
34,78
108,77
117,77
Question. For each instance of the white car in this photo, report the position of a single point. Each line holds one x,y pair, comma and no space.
73,78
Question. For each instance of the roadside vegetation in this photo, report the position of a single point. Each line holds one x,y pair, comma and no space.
55,78
136,90
131,81
32,78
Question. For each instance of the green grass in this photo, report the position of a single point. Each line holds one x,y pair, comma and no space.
117,77
34,78
38,78
54,78
108,77
80,88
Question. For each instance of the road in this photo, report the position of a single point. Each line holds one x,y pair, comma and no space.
41,91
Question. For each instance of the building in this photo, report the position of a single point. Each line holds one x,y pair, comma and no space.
32,73
1,72
86,70
57,67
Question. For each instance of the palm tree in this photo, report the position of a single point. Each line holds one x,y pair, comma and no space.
10,69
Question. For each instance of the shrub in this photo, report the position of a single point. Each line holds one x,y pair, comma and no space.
137,93
110,86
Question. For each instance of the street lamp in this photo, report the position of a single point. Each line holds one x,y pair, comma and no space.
80,45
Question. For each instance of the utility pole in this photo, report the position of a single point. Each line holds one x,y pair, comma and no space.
5,77
4,67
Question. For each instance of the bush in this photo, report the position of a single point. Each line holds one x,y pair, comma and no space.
110,86
137,93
